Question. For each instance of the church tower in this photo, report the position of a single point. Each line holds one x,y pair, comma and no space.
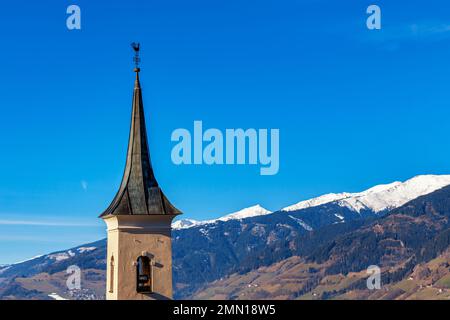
139,254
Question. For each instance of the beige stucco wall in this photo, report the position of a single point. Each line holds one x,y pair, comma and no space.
130,237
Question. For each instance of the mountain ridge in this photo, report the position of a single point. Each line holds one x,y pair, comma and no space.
253,211
410,245
374,199
398,193
240,244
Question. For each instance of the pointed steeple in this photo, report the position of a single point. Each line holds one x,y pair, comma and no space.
139,192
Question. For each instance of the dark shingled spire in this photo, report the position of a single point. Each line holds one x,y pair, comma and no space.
139,193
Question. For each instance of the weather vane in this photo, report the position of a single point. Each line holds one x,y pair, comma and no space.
136,59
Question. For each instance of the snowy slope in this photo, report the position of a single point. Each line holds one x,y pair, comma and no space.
246,213
4,267
314,202
253,211
381,197
185,223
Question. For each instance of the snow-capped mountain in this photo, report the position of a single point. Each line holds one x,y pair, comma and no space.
185,223
381,197
314,202
249,212
246,213
376,199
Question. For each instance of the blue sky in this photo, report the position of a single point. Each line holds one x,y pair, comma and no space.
354,107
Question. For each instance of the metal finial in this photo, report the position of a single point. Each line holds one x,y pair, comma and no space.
136,59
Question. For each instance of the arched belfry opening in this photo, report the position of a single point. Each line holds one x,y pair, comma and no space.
139,220
144,275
